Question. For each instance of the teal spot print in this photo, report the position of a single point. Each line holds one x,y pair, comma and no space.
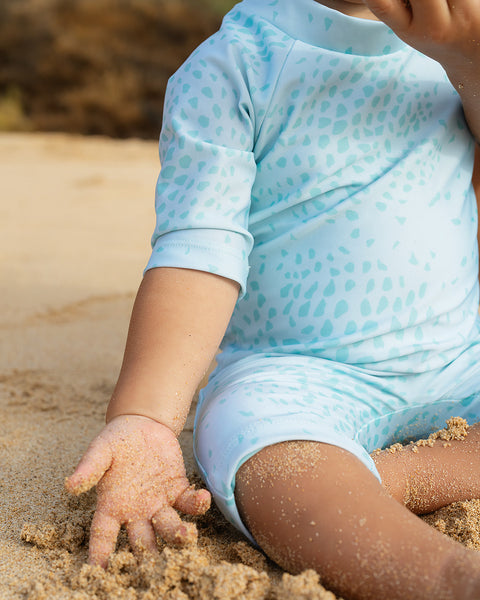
397,305
381,266
369,327
168,172
349,285
330,289
341,308
367,265
387,284
304,309
320,310
382,305
351,328
365,308
327,329
185,162
410,298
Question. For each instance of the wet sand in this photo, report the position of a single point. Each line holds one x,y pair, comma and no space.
76,215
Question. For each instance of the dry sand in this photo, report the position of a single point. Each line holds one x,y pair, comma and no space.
76,216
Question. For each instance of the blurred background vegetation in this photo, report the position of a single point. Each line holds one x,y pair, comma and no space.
95,67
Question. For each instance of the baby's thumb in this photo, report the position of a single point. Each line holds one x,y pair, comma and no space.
91,468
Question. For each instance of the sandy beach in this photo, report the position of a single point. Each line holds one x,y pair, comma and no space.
76,216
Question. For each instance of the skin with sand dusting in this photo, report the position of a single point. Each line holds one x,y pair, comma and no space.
146,457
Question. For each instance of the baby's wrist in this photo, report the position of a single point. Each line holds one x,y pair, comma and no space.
129,417
116,410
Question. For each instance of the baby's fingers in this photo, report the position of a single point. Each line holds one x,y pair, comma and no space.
172,529
103,538
141,535
95,462
395,13
193,502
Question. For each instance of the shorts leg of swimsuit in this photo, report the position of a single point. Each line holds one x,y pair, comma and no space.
263,400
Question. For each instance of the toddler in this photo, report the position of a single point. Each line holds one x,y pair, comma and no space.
316,217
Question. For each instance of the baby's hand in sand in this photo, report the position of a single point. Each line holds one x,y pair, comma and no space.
137,466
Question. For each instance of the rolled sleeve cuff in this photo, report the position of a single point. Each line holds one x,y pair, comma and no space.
213,251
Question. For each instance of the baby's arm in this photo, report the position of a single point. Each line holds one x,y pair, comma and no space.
448,32
178,321
177,324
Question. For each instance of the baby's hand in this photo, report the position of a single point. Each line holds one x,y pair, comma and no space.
137,466
447,31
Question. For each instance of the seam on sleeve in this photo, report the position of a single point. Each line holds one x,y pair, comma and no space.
275,86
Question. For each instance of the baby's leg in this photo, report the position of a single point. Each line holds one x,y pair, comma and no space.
313,505
425,478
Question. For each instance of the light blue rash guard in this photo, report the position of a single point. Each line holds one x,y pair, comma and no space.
325,166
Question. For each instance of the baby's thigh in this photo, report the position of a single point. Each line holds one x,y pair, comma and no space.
296,496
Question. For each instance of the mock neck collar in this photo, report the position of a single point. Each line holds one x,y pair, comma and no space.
317,25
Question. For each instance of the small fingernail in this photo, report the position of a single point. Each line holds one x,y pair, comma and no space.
70,487
204,502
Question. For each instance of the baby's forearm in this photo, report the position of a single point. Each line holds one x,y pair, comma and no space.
177,324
